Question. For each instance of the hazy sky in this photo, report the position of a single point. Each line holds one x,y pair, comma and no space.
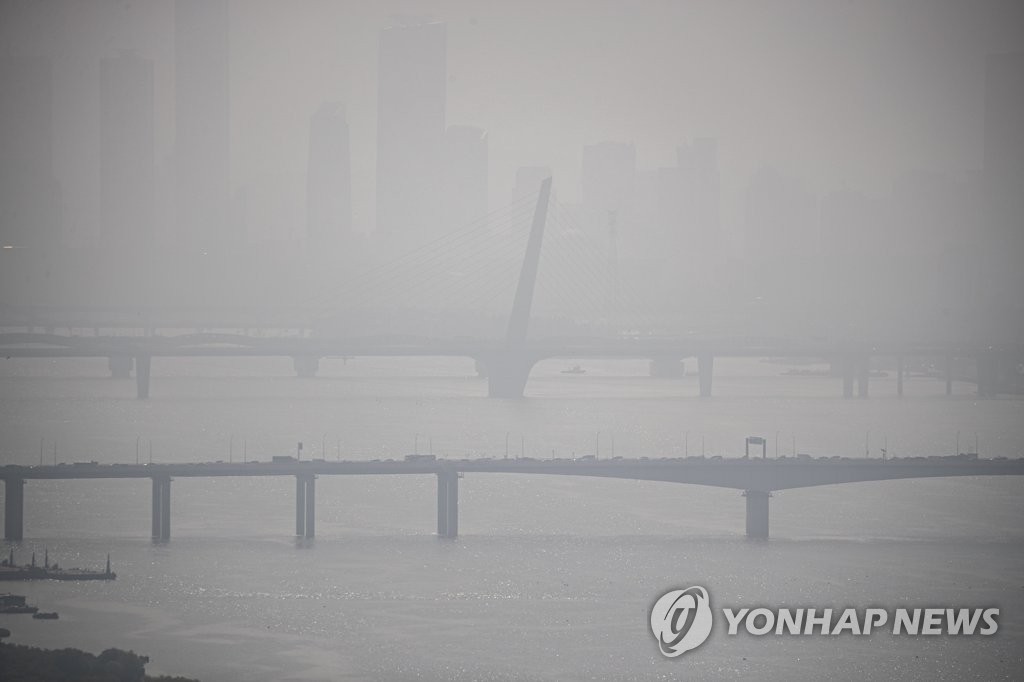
836,93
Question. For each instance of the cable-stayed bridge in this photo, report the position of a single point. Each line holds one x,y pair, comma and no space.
524,283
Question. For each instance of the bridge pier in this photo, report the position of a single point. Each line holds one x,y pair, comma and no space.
161,508
757,513
305,506
863,374
14,509
705,369
142,367
306,366
949,375
120,366
899,375
448,504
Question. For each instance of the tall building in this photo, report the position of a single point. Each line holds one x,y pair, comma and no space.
1004,181
328,179
29,195
411,92
127,151
465,176
202,124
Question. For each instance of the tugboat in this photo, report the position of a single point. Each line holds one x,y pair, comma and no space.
47,615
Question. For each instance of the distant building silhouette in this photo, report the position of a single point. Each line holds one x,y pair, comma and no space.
1004,179
328,179
30,214
202,124
465,176
127,152
411,94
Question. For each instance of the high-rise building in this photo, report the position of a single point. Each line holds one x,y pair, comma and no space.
1004,111
411,92
465,176
202,124
1004,181
328,179
29,195
127,151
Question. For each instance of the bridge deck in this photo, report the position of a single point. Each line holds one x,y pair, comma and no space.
742,474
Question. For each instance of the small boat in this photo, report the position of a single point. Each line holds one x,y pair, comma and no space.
47,615
575,369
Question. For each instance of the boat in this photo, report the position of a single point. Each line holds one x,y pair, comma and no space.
11,571
46,615
575,369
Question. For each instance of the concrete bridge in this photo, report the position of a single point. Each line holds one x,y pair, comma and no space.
756,478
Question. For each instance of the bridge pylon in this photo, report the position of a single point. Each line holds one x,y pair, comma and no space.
508,370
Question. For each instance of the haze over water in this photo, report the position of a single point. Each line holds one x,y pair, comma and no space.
551,577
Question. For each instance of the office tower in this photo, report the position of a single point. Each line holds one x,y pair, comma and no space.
328,179
1003,175
29,195
411,91
127,156
202,122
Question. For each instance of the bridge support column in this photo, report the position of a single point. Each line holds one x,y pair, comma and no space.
305,506
705,369
161,508
306,366
863,374
120,366
142,366
507,374
847,377
757,513
899,375
949,374
14,509
448,504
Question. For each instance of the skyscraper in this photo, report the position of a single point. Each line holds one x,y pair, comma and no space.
411,92
127,156
29,195
202,122
1004,180
328,179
